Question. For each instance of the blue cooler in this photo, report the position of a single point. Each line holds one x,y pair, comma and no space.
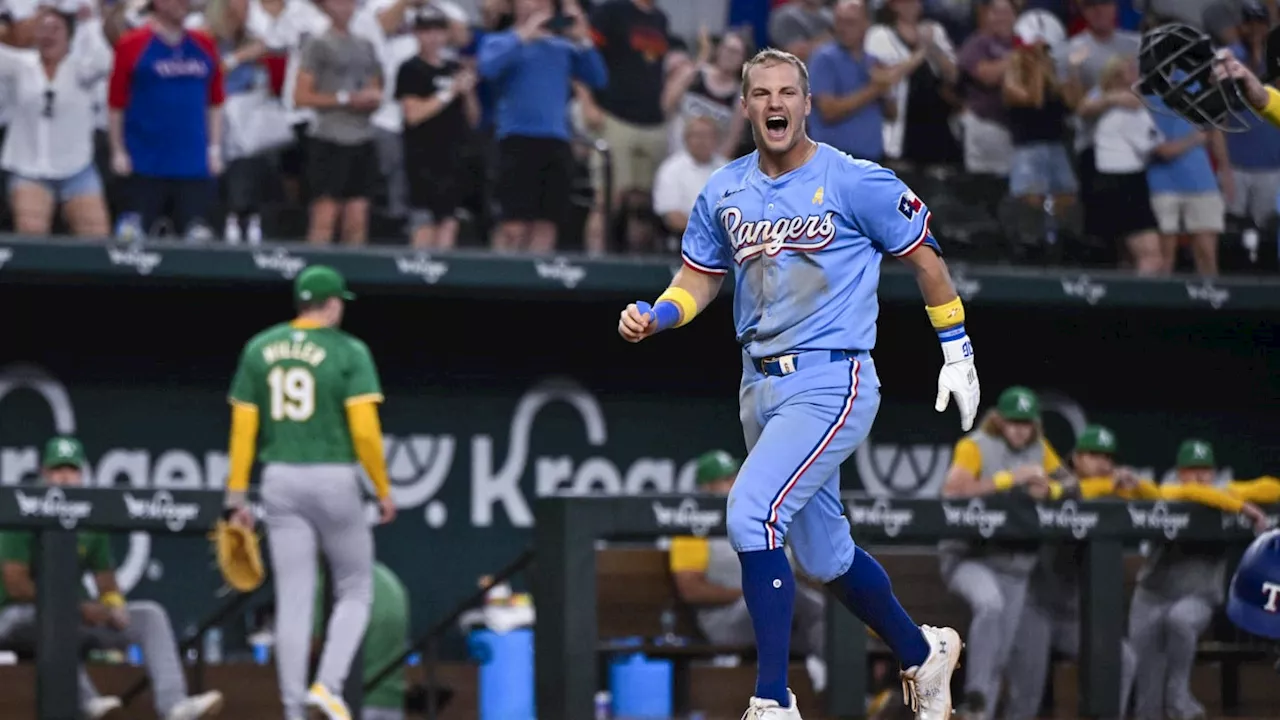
641,687
506,673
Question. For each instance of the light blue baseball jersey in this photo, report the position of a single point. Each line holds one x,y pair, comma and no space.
805,248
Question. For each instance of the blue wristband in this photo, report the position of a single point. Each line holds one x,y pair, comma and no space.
666,313
955,332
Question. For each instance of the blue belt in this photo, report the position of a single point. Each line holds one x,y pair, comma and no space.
782,365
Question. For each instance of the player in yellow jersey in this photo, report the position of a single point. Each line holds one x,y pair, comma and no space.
309,393
1180,585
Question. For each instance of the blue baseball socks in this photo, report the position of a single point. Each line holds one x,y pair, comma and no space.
769,588
865,589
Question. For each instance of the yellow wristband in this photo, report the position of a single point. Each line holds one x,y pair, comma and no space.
946,315
112,599
1271,113
1055,490
683,300
1003,480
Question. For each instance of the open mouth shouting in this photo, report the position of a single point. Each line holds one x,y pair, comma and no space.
775,127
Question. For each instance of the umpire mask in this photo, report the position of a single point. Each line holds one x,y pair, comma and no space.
1175,64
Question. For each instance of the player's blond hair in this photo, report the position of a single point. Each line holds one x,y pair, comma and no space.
769,57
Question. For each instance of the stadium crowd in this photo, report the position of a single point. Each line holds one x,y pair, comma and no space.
565,125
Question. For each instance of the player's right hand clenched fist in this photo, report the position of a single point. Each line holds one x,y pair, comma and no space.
637,322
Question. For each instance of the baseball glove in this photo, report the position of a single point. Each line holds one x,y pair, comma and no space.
238,554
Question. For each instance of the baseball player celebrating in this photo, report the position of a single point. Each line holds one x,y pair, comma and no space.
311,391
804,227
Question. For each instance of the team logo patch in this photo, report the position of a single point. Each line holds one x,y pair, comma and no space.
909,205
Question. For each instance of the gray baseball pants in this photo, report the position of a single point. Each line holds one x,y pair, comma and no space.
309,509
1040,631
1164,633
149,627
731,624
371,713
996,598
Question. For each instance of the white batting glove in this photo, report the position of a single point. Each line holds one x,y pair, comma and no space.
958,376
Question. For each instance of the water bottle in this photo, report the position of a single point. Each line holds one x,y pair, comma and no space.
603,699
129,227
1250,241
213,646
192,653
668,621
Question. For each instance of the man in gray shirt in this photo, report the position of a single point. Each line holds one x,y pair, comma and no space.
340,76
800,26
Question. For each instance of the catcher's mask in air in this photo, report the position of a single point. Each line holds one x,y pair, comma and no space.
1176,64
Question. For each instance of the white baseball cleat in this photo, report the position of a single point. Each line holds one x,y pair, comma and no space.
761,709
102,707
197,707
927,688
330,706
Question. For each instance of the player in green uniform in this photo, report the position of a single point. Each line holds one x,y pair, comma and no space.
309,393
108,620
384,641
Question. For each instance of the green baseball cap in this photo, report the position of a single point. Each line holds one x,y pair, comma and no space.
1018,403
63,451
1097,439
1195,454
715,465
320,282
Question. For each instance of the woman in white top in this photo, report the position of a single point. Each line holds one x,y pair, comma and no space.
49,147
919,132
1124,139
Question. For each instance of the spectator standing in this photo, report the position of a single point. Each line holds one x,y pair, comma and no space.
1118,207
387,25
340,76
283,26
1037,121
919,131
248,169
984,59
849,88
440,110
633,39
682,176
531,69
710,87
1080,62
1185,194
1255,154
800,27
48,150
165,122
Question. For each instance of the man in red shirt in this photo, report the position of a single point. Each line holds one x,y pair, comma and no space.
165,121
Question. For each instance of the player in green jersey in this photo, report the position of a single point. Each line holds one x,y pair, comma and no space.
385,640
309,393
108,620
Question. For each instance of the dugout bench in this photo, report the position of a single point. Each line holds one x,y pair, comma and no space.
55,514
567,528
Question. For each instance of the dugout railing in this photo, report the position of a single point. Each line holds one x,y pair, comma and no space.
55,514
567,529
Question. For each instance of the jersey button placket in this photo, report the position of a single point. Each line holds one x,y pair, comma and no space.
769,281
